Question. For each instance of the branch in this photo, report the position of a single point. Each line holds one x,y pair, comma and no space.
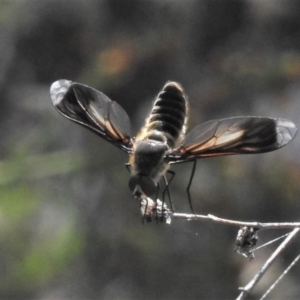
247,289
246,238
158,209
280,277
257,225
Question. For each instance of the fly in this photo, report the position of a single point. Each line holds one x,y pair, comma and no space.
163,140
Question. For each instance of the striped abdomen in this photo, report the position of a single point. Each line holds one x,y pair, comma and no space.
168,115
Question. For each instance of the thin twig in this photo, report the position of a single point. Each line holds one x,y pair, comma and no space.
258,225
247,289
270,242
280,277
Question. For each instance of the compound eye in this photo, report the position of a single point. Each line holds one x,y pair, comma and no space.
142,185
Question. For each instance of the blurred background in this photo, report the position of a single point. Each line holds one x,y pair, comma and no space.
69,226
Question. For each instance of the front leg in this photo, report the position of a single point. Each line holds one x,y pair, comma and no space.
128,167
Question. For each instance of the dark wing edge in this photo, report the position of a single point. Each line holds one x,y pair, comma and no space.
239,135
93,110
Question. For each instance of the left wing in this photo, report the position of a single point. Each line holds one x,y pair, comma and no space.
94,110
240,135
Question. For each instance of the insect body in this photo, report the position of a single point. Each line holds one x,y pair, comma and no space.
163,140
162,132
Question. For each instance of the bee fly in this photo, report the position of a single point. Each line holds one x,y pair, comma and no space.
163,140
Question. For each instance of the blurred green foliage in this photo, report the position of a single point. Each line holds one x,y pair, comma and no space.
33,258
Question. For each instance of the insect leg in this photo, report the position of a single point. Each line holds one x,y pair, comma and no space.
128,167
189,185
168,190
145,216
156,202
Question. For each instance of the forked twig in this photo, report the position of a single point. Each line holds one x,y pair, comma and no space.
280,277
247,289
246,239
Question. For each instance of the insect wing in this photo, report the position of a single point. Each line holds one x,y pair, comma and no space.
240,135
94,110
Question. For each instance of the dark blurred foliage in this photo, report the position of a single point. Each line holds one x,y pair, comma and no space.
69,226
